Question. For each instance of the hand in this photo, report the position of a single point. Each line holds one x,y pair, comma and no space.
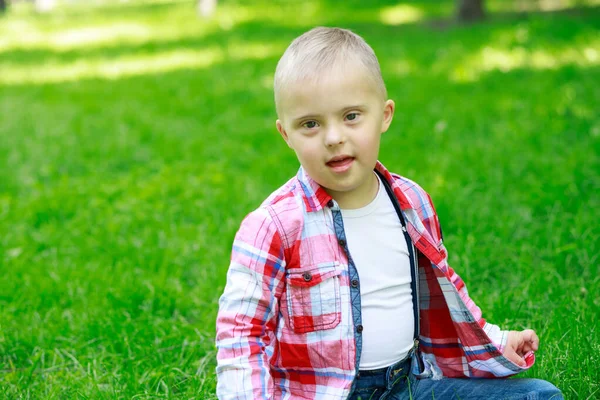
519,344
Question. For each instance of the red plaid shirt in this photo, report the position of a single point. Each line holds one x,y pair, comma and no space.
285,327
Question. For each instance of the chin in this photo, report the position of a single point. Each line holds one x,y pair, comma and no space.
342,189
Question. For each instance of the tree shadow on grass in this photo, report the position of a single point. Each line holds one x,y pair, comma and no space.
570,25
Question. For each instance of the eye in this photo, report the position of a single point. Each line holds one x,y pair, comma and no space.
310,124
352,116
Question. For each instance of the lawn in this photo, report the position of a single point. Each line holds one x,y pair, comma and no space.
135,137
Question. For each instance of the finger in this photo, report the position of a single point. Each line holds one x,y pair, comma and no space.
535,342
518,342
527,347
527,334
531,340
514,357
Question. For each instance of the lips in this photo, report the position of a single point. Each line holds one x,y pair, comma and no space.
340,163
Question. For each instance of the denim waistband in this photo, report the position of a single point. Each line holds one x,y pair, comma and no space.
384,377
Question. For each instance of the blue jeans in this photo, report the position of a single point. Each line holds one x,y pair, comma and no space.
397,383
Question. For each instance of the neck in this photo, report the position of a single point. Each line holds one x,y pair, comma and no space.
359,197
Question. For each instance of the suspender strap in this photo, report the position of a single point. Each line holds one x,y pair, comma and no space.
412,255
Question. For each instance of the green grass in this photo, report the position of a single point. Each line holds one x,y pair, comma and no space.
134,138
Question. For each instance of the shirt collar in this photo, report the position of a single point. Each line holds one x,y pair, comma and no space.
316,198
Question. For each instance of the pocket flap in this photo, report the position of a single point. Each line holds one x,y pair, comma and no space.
313,275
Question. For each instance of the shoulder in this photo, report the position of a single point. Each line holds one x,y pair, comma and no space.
281,212
405,183
421,202
414,192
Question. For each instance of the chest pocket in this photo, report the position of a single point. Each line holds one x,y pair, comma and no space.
313,297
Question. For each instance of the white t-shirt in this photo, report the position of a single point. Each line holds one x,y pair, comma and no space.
378,247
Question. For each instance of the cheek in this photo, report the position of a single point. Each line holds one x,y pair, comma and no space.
307,150
305,158
368,141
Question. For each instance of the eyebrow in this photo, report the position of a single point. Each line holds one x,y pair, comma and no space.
342,110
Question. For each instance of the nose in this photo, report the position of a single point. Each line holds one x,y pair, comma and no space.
334,136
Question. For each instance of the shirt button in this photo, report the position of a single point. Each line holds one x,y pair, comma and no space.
358,374
342,242
359,328
307,276
354,282
330,203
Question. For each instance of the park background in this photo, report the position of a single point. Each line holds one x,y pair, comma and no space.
136,135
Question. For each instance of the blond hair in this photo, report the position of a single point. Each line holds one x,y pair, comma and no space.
318,51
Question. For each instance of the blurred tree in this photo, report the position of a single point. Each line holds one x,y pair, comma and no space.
3,6
470,10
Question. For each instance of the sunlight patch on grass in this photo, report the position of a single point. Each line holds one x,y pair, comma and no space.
15,73
404,67
266,81
400,14
491,58
75,38
111,69
85,37
72,32
555,5
252,51
538,5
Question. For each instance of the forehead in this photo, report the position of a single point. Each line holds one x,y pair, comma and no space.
328,91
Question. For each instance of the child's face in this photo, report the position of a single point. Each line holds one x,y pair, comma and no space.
334,125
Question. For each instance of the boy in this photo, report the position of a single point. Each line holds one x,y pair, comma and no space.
295,320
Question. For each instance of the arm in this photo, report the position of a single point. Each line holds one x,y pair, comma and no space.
517,346
498,336
248,310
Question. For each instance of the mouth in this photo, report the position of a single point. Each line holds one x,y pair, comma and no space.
340,163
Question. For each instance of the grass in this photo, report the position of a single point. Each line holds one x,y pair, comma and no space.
135,137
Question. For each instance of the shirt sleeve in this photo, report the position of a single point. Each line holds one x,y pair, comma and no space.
497,336
248,310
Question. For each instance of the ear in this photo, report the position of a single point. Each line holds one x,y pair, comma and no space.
388,114
283,133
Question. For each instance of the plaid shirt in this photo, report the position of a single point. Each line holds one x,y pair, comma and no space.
286,327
